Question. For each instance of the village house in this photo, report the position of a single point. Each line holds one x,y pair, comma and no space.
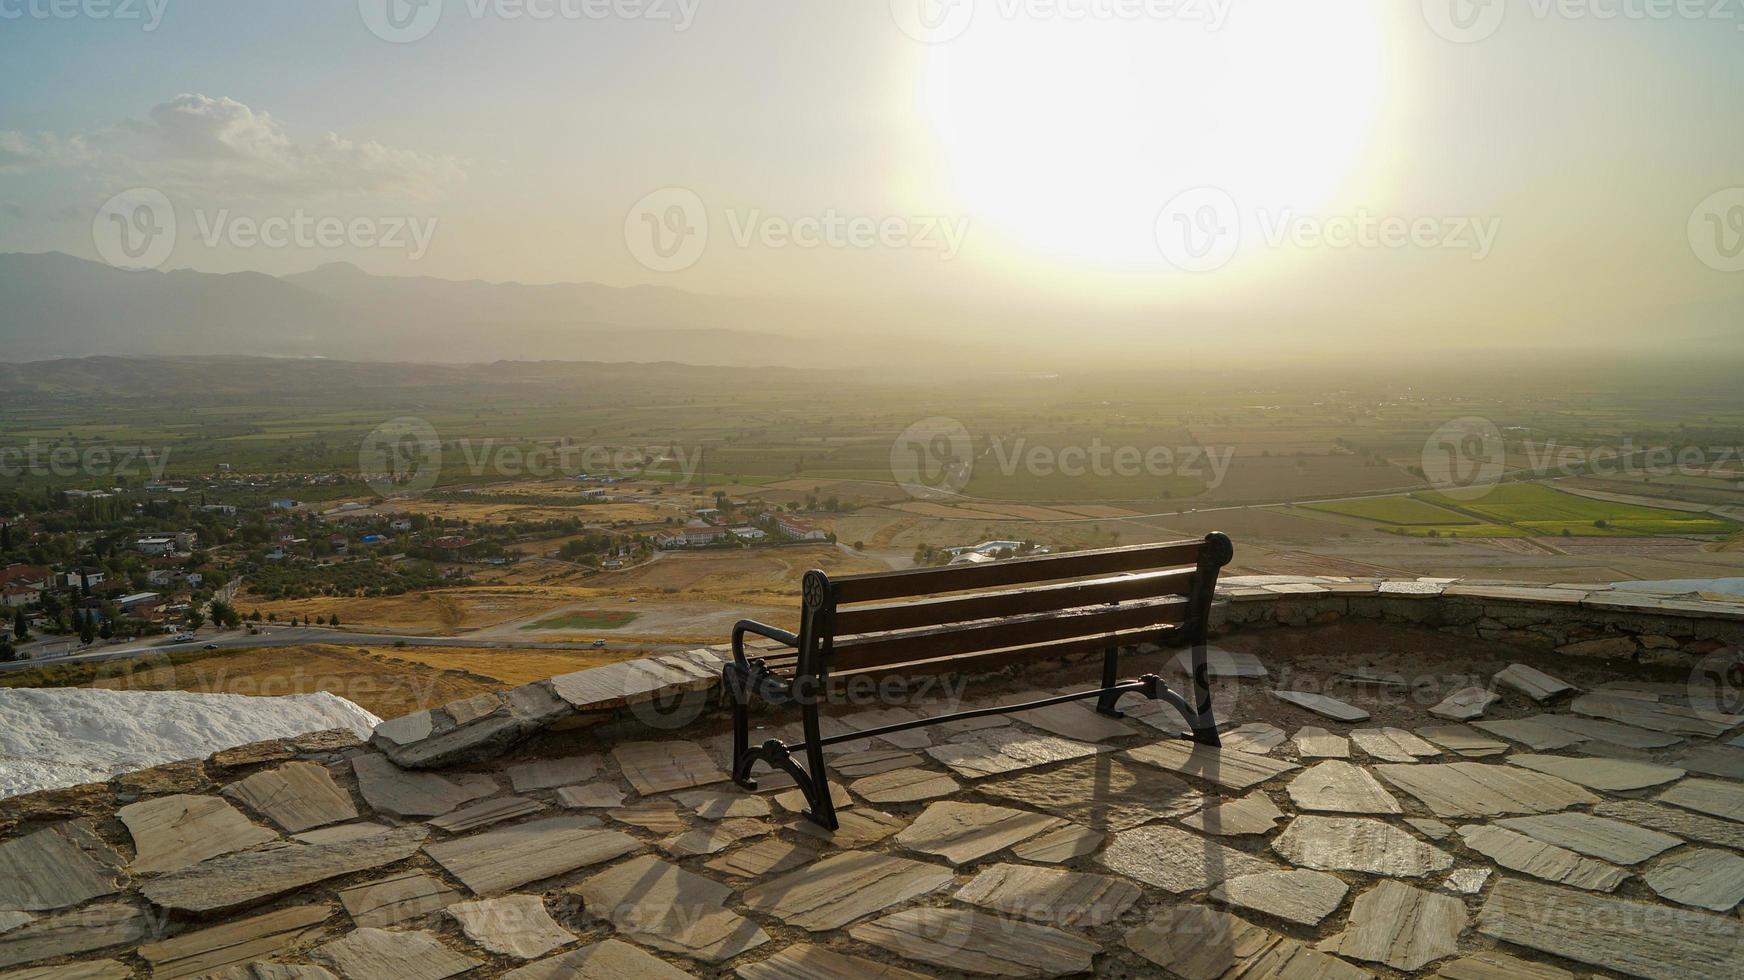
800,530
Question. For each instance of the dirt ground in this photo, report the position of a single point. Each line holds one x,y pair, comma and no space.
443,612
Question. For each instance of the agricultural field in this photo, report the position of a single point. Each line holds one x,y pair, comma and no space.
439,612
585,619
1394,510
1541,510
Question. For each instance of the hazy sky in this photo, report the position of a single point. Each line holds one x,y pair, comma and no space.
1403,164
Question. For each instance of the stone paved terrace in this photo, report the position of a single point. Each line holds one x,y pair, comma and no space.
1457,780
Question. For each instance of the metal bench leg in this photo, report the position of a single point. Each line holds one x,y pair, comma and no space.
1110,677
742,744
823,809
1205,729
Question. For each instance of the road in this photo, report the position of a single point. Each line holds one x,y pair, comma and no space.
284,636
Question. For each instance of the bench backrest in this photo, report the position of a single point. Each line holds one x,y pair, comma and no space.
962,616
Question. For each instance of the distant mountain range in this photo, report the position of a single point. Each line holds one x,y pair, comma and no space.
54,305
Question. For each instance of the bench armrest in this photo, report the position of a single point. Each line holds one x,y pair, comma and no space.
744,626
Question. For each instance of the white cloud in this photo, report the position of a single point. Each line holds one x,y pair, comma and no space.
21,151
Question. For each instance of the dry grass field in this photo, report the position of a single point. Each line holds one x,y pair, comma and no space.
501,513
442,612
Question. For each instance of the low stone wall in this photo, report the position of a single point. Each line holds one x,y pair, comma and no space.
1577,621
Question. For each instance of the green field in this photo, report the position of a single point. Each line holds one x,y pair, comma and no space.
1395,510
587,619
1541,510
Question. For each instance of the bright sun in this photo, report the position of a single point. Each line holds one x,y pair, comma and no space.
1068,137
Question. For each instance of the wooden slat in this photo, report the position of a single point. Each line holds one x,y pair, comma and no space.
1016,602
1013,571
1028,653
857,652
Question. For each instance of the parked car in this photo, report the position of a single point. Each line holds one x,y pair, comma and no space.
599,643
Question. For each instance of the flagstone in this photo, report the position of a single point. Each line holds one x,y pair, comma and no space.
235,880
714,837
1404,927
976,942
1104,793
914,738
872,762
1254,813
1709,796
1322,705
854,828
1491,965
713,804
590,796
1671,820
1340,787
793,800
1069,899
1656,942
486,813
1432,829
339,832
1232,770
1527,855
1256,737
963,832
658,904
297,796
86,970
1466,881
1609,840
904,786
1199,943
1318,743
1392,744
396,898
637,681
1594,729
659,816
656,767
390,789
207,951
382,955
11,919
171,832
551,773
1614,775
1475,789
764,857
1463,741
1237,664
1058,846
994,751
1653,715
1701,877
1303,897
1175,860
1357,844
1465,704
497,860
514,925
1714,760
57,866
608,959
1532,733
1532,682
1069,719
833,891
85,930
803,961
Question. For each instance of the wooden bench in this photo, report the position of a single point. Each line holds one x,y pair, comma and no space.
980,617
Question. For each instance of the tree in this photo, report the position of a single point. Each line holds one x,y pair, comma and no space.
196,619
333,620
87,629
20,625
